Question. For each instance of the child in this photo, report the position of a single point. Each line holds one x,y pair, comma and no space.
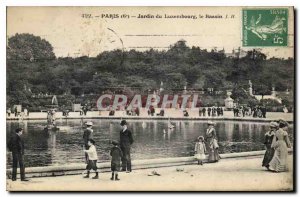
92,156
116,155
200,150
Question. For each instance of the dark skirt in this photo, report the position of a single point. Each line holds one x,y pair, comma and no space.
92,164
213,155
268,157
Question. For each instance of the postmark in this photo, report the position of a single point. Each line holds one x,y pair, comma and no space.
265,27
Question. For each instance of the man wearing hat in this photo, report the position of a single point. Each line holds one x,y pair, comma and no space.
125,143
87,135
16,146
268,142
116,155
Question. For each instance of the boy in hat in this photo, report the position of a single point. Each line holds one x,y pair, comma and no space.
116,155
126,141
87,134
92,155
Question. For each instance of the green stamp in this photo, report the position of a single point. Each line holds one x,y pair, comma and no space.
265,27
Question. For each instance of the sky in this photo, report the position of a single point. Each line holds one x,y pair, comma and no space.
108,28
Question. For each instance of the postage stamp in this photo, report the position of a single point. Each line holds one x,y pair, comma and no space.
265,27
149,99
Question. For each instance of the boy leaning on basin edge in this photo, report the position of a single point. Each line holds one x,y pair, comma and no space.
92,159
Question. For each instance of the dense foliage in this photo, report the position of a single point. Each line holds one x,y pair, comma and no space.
31,64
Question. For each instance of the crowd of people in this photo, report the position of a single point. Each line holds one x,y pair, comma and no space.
207,144
51,118
211,111
17,113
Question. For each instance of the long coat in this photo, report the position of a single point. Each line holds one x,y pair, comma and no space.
125,138
87,134
16,144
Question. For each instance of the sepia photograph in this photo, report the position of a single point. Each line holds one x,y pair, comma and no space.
150,98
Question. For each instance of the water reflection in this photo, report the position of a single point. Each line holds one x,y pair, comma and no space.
152,139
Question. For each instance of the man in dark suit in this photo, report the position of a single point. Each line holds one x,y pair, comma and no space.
204,111
126,141
16,146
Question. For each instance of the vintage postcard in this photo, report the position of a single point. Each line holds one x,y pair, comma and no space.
150,99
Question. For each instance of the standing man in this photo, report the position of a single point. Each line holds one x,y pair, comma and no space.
16,146
87,135
204,111
25,112
268,144
200,111
16,111
85,109
125,143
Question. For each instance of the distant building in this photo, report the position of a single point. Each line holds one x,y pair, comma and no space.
237,53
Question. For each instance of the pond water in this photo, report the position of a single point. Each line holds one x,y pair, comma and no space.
65,146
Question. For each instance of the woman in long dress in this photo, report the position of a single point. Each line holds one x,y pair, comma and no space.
211,143
280,143
268,142
200,150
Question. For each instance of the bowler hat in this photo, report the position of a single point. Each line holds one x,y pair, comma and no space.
274,124
123,122
19,129
283,123
92,141
114,142
89,123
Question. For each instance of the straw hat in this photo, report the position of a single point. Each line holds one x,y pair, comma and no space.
114,142
123,122
200,137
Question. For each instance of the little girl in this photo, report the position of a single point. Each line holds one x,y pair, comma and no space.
200,150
